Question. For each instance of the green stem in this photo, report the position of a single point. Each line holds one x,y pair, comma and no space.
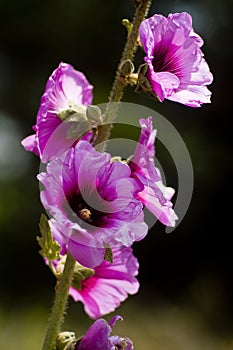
59,305
119,84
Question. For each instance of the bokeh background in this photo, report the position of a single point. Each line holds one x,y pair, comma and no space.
185,300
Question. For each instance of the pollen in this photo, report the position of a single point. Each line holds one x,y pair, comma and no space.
85,214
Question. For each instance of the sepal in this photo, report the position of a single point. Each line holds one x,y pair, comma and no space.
144,84
81,273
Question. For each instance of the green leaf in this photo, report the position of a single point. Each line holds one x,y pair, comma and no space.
49,248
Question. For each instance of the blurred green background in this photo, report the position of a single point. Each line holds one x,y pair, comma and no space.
185,300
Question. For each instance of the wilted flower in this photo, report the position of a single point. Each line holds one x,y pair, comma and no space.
98,337
61,116
103,288
176,70
155,196
94,203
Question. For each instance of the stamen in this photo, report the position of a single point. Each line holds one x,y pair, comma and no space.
85,214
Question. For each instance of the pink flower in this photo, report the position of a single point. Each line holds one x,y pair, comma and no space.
177,70
98,337
155,196
102,289
93,201
66,90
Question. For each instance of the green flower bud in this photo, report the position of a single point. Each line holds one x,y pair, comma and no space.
127,68
93,114
128,25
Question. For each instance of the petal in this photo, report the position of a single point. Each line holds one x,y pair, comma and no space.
75,85
52,196
201,74
30,144
167,82
163,212
114,320
88,256
54,137
192,95
151,32
97,337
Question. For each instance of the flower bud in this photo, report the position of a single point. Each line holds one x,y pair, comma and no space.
93,114
65,341
128,25
127,68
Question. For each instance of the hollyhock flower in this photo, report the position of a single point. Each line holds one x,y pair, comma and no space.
93,201
177,70
103,288
98,337
67,94
155,196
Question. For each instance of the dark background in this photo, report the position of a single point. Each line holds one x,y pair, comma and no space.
192,265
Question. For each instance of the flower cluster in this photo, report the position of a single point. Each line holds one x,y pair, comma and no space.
95,202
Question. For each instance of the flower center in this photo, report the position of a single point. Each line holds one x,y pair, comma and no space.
163,61
85,214
82,212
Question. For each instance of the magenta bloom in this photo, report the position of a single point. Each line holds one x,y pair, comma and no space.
93,201
155,196
66,89
177,70
109,285
98,337
103,288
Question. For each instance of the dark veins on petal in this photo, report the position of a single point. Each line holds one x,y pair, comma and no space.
164,61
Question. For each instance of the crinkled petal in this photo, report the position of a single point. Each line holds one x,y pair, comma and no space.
192,95
143,158
163,212
151,32
155,196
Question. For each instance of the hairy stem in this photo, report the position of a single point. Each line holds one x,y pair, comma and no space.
59,305
119,84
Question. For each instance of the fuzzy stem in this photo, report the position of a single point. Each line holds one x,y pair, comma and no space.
119,84
59,305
